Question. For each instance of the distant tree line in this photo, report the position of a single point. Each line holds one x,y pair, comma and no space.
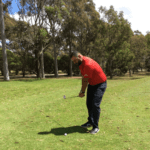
62,26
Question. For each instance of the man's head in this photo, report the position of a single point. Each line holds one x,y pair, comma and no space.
76,57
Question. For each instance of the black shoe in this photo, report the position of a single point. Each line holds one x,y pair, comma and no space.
94,131
86,125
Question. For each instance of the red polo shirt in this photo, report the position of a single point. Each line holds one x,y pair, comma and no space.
92,70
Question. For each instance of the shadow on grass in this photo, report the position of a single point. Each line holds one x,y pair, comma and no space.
124,78
62,130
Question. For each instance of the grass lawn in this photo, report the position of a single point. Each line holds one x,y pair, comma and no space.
34,115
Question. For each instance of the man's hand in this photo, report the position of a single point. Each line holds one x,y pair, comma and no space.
81,95
84,83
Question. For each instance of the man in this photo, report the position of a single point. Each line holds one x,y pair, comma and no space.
93,74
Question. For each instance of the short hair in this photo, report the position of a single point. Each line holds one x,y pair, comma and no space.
75,53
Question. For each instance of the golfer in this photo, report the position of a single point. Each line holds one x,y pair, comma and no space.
95,78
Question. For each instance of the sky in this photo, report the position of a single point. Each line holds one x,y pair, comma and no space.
136,12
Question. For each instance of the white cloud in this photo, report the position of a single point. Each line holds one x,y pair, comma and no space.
136,12
16,17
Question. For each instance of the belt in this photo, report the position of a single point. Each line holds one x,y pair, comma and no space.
99,83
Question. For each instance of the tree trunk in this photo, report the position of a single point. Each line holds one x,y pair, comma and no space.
40,69
55,62
37,64
23,72
16,72
81,43
133,71
2,72
5,63
70,74
102,64
55,55
111,75
70,58
42,66
41,63
130,72
24,65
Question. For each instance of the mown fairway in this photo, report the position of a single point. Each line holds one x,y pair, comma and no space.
34,115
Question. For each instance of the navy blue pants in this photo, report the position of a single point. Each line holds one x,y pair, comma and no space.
94,98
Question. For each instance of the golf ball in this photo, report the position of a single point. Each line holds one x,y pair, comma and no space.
65,134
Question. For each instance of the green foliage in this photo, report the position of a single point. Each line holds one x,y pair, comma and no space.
50,10
117,72
54,11
1,60
113,36
14,61
148,40
139,49
48,63
122,59
82,21
66,10
58,12
31,65
43,32
81,29
63,64
147,63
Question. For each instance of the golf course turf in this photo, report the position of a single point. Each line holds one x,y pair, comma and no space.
34,115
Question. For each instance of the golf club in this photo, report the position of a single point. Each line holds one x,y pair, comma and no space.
69,97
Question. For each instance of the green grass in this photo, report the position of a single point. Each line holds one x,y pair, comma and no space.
34,115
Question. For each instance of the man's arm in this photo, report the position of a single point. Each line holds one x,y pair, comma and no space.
84,84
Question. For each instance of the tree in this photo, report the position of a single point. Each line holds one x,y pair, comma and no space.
138,46
147,60
5,62
123,58
137,32
79,28
55,12
113,35
38,38
68,27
